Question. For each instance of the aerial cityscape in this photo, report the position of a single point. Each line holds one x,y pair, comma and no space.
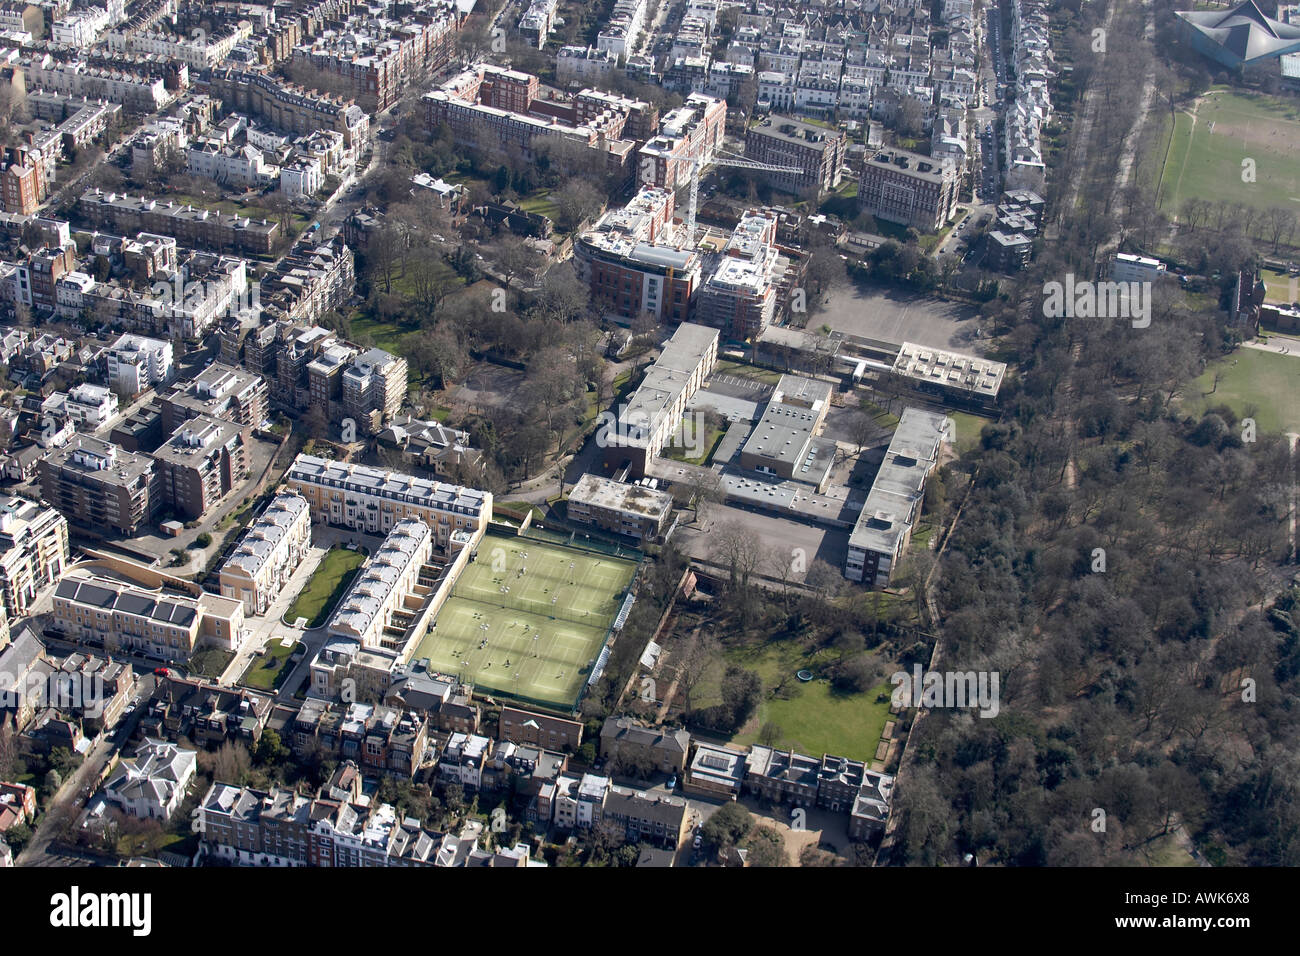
649,434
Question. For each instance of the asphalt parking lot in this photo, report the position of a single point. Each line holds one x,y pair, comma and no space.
894,316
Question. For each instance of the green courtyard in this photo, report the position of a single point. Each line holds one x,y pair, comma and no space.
327,585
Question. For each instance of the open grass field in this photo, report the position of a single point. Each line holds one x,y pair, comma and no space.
1252,377
1207,150
967,430
814,717
532,635
328,583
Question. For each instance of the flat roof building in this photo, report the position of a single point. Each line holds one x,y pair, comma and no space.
654,411
95,483
784,141
633,510
884,528
950,374
219,391
202,462
908,188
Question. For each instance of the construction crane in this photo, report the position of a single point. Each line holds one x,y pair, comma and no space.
720,159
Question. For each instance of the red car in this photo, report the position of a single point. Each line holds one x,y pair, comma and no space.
161,672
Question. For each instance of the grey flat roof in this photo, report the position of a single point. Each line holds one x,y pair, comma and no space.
900,483
782,434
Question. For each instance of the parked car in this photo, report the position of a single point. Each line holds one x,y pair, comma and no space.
672,782
161,672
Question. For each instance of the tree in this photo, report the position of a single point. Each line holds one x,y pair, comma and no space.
563,296
230,764
742,691
766,847
513,257
701,650
729,824
770,734
8,750
854,675
453,795
576,202
18,836
62,760
739,550
270,749
53,781
383,252
438,356
428,285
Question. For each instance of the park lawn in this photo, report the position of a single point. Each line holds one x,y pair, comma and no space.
967,430
820,720
1206,159
327,585
1255,383
540,203
267,669
387,335
816,719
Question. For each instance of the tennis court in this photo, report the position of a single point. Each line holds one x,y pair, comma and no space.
527,619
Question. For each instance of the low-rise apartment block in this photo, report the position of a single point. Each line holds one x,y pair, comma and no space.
219,391
377,738
631,743
632,261
135,363
377,608
540,730
127,618
206,713
747,290
784,141
653,413
632,510
216,231
374,388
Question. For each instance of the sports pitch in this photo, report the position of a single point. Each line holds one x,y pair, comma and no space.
537,639
1206,153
